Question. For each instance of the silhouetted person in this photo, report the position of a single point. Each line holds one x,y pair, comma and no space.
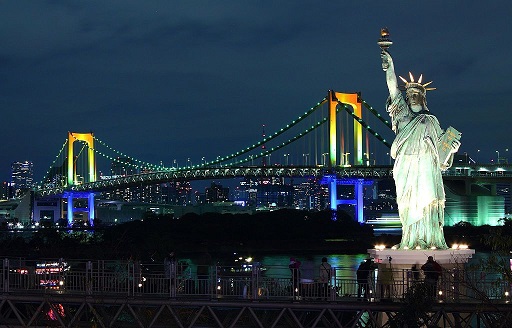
324,277
432,271
170,273
415,274
363,274
295,272
386,281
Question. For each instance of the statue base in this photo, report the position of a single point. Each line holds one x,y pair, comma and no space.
406,258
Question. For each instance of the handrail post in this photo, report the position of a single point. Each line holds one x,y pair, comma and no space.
255,279
213,285
331,286
88,278
131,274
172,278
5,278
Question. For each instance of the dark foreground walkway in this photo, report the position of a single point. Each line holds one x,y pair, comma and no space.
130,294
60,310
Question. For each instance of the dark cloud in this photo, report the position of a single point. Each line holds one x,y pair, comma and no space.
173,79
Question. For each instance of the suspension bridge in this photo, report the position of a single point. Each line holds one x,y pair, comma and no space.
335,142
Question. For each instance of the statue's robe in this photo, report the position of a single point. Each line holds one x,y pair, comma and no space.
417,175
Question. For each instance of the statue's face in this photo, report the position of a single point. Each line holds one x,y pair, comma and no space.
415,100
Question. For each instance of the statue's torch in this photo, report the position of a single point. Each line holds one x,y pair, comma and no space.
384,42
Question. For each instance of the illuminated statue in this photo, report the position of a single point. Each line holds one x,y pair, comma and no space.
421,151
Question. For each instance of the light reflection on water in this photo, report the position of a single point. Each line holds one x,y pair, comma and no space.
277,265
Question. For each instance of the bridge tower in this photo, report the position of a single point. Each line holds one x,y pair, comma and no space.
72,178
352,99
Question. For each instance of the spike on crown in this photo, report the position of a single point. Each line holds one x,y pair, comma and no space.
422,88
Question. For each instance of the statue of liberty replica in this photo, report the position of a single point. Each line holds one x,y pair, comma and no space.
421,150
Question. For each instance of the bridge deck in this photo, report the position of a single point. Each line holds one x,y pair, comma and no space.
476,173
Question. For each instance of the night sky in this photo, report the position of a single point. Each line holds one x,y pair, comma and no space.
162,80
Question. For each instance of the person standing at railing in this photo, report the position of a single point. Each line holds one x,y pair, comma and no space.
325,278
294,267
386,281
432,271
363,275
415,274
170,274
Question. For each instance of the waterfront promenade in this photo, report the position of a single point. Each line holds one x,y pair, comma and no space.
79,293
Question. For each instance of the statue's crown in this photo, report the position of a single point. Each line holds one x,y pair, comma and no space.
409,85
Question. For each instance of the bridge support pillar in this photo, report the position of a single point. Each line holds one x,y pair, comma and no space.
333,197
467,188
358,194
358,184
494,189
70,195
90,204
70,209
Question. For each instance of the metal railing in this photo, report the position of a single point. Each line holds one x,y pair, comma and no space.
134,279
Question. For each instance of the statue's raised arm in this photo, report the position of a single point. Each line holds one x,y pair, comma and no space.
389,67
387,62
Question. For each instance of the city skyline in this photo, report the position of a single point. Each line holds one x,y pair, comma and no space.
159,81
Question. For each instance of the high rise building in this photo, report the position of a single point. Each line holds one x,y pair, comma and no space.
22,177
311,195
275,193
216,193
5,190
177,193
247,192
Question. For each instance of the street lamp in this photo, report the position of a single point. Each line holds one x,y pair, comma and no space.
389,156
286,156
305,158
498,161
367,158
324,155
345,159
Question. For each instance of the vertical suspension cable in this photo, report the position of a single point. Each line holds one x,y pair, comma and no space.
95,164
315,139
348,141
341,134
322,138
367,141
